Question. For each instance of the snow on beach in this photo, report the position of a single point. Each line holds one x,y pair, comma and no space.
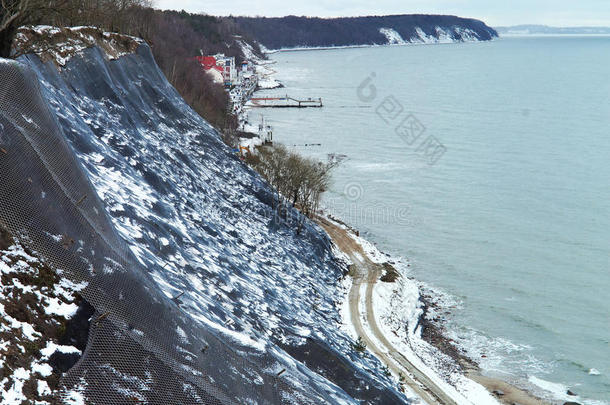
398,309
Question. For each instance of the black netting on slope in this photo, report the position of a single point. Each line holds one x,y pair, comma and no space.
142,346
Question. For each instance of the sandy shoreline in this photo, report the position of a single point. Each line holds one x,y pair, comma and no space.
512,394
502,391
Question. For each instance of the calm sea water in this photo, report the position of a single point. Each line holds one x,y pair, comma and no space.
503,201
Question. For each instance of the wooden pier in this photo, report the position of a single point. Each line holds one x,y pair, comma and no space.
285,102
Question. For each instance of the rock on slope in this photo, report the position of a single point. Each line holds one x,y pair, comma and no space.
200,295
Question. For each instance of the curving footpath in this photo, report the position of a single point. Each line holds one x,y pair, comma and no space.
367,272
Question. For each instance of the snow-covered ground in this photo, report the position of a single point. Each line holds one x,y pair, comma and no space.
261,66
268,83
264,73
264,80
393,37
34,302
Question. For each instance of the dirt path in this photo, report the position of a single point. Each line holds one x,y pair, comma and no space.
366,272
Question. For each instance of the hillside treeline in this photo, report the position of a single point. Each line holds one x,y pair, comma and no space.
174,37
292,31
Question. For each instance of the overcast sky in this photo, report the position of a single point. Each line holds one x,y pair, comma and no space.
493,12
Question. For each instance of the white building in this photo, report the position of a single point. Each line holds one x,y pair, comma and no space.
228,65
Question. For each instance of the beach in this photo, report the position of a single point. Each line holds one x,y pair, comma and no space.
411,373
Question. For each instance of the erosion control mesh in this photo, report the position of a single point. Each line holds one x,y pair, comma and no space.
142,348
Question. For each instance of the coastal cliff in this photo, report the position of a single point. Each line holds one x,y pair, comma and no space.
198,293
304,32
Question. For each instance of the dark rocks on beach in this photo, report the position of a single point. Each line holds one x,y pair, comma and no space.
571,393
390,273
571,403
498,392
432,332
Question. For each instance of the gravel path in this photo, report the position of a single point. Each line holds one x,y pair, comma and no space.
365,272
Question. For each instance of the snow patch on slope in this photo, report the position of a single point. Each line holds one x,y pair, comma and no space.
466,34
32,300
392,36
261,66
441,36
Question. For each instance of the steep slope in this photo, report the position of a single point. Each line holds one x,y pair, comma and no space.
294,32
201,295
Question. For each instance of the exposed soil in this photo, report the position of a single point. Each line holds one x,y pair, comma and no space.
54,43
6,239
390,273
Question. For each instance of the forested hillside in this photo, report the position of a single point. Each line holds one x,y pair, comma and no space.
292,31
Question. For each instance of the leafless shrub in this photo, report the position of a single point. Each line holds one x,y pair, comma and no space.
298,181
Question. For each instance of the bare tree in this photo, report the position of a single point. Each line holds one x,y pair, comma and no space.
297,181
14,14
113,15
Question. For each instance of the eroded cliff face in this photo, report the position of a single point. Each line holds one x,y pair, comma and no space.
200,294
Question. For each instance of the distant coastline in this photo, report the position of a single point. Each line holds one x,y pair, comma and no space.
330,48
313,32
535,29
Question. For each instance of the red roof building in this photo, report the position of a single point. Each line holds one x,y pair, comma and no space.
209,62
